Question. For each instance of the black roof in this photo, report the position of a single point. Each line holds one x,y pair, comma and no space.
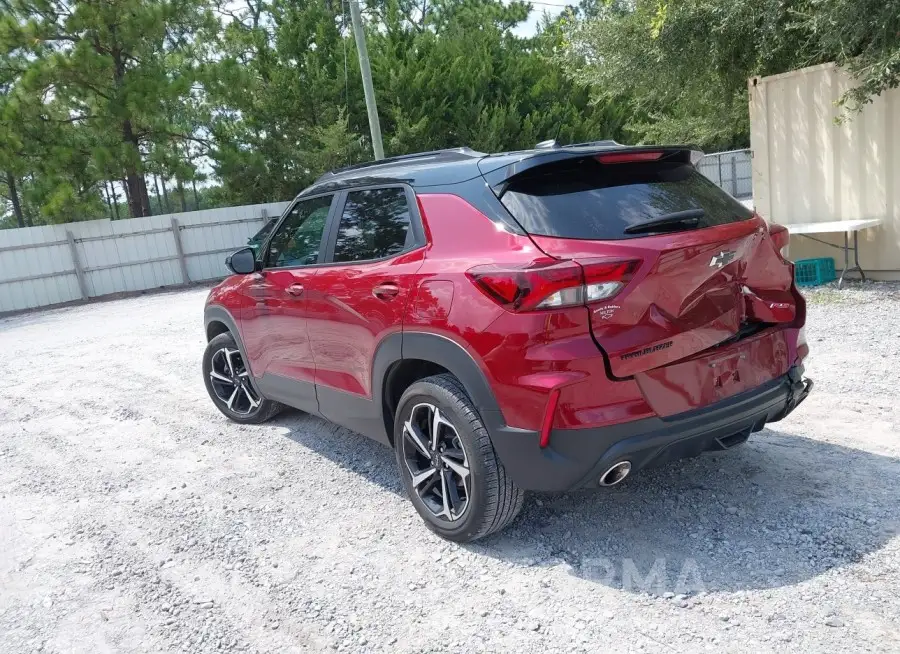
455,165
419,169
420,158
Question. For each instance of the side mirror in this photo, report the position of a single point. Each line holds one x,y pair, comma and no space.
242,262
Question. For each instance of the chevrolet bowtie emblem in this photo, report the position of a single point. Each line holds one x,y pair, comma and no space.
723,258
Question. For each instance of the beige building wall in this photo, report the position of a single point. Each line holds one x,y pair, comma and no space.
808,168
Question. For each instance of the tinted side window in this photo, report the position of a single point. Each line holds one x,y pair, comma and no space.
588,200
260,236
374,224
297,241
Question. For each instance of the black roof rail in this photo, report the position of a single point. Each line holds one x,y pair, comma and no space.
449,154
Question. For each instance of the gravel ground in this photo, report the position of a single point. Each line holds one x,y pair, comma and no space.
133,517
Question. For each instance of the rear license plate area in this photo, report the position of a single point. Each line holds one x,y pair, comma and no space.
706,379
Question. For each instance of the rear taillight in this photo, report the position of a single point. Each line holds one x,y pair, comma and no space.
553,284
525,287
780,237
604,278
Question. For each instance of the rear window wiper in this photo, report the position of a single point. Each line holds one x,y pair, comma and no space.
686,218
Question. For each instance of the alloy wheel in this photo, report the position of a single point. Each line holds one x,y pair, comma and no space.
437,462
231,382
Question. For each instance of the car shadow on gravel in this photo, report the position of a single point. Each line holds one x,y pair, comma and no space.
777,511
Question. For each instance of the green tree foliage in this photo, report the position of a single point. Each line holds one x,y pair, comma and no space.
468,81
864,36
45,164
682,65
279,92
454,76
135,107
98,83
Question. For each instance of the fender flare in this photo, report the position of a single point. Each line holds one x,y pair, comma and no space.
446,353
217,313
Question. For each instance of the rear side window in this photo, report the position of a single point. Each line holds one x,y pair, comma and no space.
374,224
588,200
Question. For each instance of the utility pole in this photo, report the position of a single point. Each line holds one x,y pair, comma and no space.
374,125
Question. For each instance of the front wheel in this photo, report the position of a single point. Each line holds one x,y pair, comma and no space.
448,465
227,378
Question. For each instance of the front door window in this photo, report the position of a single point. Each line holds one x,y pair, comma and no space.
299,237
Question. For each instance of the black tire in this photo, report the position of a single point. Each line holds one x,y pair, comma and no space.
242,410
493,500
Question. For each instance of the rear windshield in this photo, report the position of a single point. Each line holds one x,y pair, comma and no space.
589,200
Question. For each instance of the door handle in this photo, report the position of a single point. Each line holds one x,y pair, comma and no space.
386,291
295,289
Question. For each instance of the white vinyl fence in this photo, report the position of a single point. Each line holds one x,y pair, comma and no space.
730,171
41,266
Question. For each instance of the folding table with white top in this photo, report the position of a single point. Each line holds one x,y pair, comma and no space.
838,226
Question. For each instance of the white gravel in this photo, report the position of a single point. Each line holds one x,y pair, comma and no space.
133,517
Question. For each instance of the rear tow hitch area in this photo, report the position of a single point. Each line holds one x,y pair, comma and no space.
798,390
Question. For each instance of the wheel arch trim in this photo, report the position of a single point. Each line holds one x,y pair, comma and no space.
216,313
445,352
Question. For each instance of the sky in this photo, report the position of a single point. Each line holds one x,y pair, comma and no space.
551,7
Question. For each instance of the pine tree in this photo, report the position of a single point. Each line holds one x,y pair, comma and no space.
115,66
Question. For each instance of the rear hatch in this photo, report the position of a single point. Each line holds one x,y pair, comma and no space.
704,270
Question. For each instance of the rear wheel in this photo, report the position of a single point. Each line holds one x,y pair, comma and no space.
228,383
448,465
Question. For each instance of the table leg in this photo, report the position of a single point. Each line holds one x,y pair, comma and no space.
846,260
856,267
856,255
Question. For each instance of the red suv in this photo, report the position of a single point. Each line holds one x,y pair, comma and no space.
544,320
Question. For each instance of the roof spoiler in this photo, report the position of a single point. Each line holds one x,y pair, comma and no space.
501,170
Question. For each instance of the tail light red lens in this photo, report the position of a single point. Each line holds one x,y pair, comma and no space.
780,237
524,287
553,284
627,157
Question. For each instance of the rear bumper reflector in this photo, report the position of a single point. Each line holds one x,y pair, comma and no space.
549,413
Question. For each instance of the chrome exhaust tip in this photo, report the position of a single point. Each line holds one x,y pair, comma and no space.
615,474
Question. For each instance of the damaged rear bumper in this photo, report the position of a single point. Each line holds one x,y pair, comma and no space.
577,458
